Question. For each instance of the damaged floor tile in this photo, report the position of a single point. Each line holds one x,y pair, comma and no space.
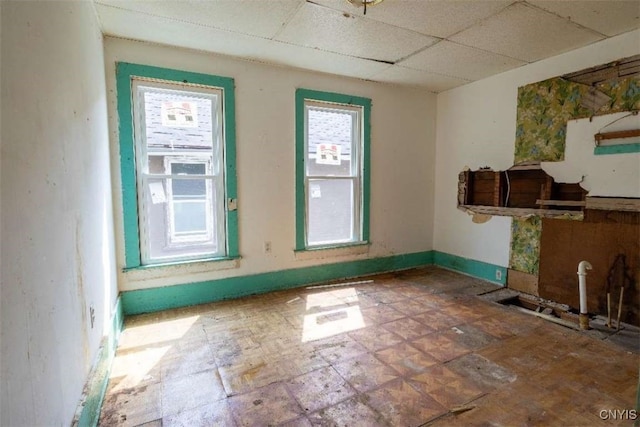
421,347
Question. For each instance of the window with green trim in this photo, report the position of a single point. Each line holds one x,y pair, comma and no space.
332,182
177,152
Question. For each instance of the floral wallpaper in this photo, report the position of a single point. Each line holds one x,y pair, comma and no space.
545,107
624,94
543,111
525,244
541,125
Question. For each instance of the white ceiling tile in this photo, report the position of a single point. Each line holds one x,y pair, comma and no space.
160,30
326,62
327,29
527,33
439,18
460,61
140,26
335,37
430,81
607,17
255,17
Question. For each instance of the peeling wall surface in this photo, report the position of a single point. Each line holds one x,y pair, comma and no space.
402,163
476,127
612,175
544,108
57,226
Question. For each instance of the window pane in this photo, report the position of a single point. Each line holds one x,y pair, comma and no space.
178,133
189,188
190,216
178,121
177,227
330,142
330,214
188,168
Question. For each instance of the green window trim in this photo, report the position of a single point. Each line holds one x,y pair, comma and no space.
124,74
335,98
617,149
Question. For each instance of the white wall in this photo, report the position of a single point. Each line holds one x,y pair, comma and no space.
611,175
57,227
476,126
402,146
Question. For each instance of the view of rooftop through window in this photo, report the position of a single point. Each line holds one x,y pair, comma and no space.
180,173
333,175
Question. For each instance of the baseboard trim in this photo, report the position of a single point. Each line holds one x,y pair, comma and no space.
471,267
88,412
156,299
167,297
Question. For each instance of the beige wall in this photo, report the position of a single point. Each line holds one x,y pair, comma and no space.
402,161
476,126
58,256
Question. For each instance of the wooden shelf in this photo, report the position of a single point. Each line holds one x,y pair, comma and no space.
543,202
613,204
621,134
522,212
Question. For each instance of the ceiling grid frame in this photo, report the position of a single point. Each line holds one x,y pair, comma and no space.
462,41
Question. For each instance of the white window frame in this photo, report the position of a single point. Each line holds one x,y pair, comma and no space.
215,175
182,239
355,174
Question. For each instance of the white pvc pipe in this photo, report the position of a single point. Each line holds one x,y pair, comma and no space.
582,284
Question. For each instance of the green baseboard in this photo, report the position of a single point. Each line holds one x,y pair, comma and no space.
88,412
167,297
481,270
156,299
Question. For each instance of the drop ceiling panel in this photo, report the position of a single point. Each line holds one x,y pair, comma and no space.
430,81
259,18
140,26
527,33
327,29
440,18
460,61
311,59
164,31
482,38
607,17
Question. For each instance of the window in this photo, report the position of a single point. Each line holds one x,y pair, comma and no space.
332,173
190,216
177,165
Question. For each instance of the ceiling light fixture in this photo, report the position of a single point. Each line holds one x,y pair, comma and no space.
364,3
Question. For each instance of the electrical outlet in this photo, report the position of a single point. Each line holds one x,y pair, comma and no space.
267,247
498,274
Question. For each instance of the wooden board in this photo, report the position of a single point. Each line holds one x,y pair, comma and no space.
613,204
565,243
523,282
522,212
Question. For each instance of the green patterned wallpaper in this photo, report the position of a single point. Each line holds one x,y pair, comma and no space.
543,111
624,94
545,107
541,126
525,244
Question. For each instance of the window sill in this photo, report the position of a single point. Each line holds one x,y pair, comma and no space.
152,271
359,248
